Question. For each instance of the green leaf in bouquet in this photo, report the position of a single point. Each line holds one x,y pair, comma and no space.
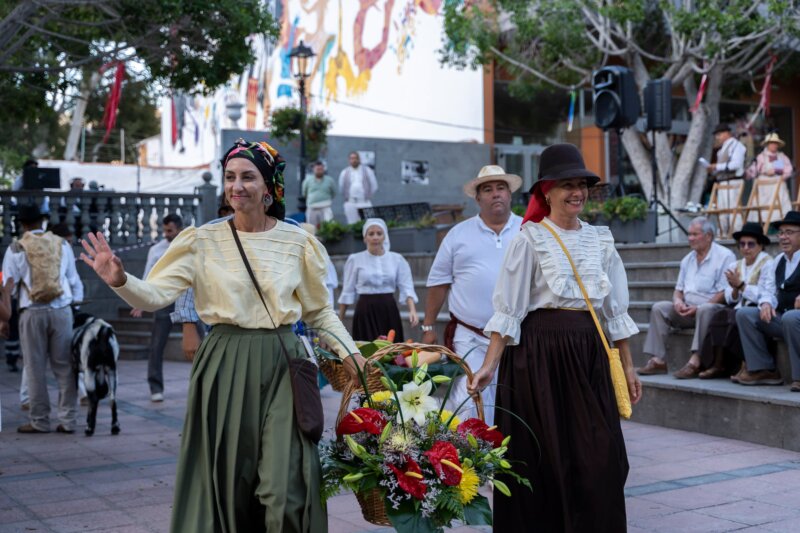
368,482
414,359
402,375
408,519
478,512
385,433
502,487
325,354
367,350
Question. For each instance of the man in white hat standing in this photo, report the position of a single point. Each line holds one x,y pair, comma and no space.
467,265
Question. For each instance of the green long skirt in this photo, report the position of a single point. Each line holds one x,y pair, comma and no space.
244,465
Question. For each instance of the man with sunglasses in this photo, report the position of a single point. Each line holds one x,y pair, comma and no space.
777,314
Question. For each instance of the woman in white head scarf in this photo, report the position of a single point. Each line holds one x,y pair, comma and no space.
371,278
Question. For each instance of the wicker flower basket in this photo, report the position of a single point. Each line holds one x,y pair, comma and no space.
372,502
335,373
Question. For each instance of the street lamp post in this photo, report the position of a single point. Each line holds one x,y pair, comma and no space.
301,69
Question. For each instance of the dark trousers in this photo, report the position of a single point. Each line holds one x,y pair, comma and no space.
162,325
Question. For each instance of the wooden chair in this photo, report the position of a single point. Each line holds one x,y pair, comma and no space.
769,202
725,201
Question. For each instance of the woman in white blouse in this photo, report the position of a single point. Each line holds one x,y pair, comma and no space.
721,351
554,374
373,276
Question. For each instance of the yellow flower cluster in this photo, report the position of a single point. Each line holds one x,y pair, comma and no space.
453,423
468,487
381,398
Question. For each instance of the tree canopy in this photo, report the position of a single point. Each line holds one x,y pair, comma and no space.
48,48
560,42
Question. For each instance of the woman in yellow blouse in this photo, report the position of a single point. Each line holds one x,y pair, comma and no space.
244,464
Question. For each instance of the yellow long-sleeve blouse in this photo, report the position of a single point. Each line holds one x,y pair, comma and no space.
289,264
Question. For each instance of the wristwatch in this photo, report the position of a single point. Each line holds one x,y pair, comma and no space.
426,328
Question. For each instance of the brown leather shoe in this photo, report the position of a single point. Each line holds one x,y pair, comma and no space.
735,377
62,429
688,371
761,377
652,367
795,386
712,373
28,428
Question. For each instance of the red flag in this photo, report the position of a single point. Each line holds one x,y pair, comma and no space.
174,122
112,104
252,102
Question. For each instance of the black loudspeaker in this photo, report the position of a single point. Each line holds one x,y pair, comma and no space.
616,101
658,104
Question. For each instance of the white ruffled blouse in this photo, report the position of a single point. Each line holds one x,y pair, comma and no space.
365,273
537,275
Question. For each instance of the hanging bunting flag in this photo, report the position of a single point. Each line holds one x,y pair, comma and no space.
252,102
700,93
571,114
174,121
112,104
766,94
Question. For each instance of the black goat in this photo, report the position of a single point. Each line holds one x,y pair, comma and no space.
94,355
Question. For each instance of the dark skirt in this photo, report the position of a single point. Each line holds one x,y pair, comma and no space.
557,380
375,315
244,465
723,334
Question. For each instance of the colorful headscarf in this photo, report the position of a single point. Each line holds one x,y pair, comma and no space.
381,224
271,166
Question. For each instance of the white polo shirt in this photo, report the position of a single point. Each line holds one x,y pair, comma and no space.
700,283
469,260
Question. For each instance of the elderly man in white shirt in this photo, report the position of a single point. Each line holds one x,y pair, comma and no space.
699,293
357,184
467,265
45,330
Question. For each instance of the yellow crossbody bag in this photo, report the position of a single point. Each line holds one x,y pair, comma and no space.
618,380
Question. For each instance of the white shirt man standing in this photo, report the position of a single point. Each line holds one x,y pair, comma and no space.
357,184
467,265
729,168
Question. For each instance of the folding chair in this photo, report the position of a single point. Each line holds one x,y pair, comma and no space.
724,204
765,200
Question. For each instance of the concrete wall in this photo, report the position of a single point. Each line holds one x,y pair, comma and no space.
450,166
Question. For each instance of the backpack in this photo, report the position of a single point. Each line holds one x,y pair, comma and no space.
43,252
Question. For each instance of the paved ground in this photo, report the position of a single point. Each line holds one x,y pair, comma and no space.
679,481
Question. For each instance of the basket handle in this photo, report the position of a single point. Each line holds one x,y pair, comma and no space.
351,389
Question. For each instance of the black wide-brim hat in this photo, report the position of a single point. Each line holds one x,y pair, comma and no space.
752,229
792,217
722,128
29,213
562,162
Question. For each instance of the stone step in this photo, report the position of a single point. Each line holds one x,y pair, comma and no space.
653,271
640,311
134,351
763,415
651,291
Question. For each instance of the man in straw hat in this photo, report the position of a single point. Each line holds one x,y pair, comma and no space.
777,314
773,169
467,265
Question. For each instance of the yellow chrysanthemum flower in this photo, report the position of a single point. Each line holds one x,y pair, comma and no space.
380,397
468,488
453,423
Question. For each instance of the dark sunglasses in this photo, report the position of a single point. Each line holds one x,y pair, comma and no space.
747,244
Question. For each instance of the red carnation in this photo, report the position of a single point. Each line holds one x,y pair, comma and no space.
444,459
410,478
479,429
361,419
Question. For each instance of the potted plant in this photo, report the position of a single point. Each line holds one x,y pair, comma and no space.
338,238
628,218
418,236
286,123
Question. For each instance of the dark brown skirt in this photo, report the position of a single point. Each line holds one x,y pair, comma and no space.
723,334
375,315
557,380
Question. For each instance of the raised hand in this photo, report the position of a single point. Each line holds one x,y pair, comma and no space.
99,256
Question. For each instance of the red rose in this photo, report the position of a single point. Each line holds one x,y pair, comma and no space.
480,430
410,478
444,459
361,419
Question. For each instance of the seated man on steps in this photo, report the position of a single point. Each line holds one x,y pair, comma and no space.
698,293
778,313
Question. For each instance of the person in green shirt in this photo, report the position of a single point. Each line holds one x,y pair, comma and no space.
319,192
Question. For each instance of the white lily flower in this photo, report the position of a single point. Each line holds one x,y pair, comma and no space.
416,402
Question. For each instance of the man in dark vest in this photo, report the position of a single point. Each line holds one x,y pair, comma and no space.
777,314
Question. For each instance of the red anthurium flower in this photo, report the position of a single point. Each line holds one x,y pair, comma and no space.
480,430
361,419
410,478
444,459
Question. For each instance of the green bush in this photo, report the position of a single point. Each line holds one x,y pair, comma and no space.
332,231
625,208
